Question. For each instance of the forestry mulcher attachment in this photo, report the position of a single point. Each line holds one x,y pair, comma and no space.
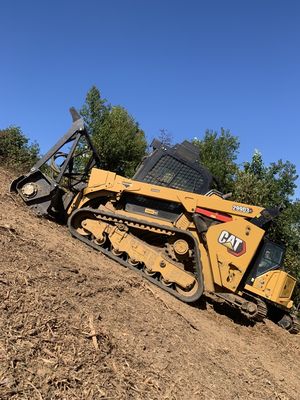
167,224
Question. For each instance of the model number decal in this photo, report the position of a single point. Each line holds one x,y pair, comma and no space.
234,244
243,209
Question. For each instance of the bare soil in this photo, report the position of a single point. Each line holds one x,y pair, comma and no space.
76,325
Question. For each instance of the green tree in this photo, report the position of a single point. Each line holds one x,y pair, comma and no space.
15,150
120,142
272,185
218,152
95,109
289,223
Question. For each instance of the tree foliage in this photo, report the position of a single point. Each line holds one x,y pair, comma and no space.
95,109
271,186
15,150
218,152
120,142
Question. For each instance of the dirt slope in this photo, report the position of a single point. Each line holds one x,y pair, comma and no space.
75,325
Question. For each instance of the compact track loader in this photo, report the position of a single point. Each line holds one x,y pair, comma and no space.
167,224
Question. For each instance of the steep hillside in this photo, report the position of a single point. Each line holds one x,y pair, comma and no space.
75,325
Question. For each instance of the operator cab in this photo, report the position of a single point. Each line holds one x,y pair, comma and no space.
175,167
269,258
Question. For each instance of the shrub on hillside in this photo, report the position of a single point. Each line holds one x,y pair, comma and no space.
15,150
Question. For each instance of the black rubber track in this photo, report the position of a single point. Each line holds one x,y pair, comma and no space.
198,267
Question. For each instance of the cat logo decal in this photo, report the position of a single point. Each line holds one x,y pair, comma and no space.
235,245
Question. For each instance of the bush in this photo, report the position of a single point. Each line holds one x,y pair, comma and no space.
15,150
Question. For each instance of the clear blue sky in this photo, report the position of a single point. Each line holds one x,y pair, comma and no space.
180,65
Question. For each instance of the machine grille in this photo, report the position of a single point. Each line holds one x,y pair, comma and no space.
172,173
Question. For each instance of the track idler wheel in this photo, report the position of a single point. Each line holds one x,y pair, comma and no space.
100,241
290,323
148,272
132,262
117,252
165,282
187,292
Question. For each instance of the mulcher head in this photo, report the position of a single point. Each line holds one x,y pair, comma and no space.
60,174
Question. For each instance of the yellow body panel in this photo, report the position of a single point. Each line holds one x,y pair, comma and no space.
276,286
229,266
101,180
